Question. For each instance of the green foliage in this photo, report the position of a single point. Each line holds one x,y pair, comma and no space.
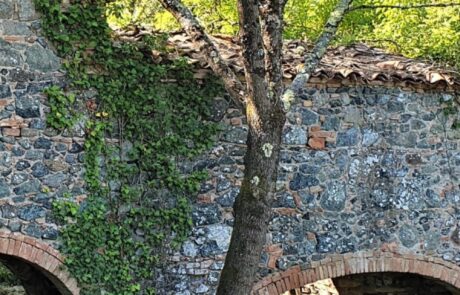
450,108
146,118
63,112
426,32
7,278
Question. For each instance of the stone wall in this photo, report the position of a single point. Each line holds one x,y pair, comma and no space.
363,168
36,164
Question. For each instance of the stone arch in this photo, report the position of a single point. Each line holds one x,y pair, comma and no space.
357,263
16,248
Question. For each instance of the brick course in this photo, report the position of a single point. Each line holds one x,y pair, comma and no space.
41,255
363,262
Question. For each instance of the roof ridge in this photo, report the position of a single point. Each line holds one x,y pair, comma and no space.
358,61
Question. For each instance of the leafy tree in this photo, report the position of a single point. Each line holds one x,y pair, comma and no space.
418,32
266,101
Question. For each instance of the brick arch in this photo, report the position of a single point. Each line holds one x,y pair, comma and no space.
42,256
364,262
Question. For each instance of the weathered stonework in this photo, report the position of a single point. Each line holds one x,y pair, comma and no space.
36,164
363,168
368,181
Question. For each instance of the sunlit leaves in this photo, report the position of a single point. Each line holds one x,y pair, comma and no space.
425,32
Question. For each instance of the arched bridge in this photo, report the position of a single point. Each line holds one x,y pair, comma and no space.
368,179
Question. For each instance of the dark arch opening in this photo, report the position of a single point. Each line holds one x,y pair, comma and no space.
34,280
381,283
392,283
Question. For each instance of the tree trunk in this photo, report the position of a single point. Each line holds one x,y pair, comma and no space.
261,27
266,118
252,208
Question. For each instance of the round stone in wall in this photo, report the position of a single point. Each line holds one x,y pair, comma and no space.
333,199
456,236
408,236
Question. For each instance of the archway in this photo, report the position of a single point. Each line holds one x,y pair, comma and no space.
335,266
39,266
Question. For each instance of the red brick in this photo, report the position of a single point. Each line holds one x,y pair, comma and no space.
10,249
25,251
14,39
321,133
29,240
13,122
272,261
294,278
286,211
272,289
236,121
17,247
317,143
11,132
279,288
4,245
314,128
288,284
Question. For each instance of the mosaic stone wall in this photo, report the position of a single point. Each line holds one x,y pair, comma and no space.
362,168
36,164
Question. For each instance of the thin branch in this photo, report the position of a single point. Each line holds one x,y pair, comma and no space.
208,48
312,60
405,7
254,62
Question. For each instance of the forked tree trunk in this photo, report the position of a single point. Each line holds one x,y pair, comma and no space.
262,44
261,27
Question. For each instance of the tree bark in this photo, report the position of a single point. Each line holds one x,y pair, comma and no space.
266,118
272,29
252,211
262,45
261,24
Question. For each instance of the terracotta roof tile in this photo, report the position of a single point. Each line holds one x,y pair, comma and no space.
356,62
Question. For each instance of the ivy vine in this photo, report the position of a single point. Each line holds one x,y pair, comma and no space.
138,128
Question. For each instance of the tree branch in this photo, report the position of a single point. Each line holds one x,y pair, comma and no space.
312,60
251,40
405,7
272,29
254,63
208,49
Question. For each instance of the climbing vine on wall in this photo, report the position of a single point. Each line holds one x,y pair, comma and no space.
138,127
